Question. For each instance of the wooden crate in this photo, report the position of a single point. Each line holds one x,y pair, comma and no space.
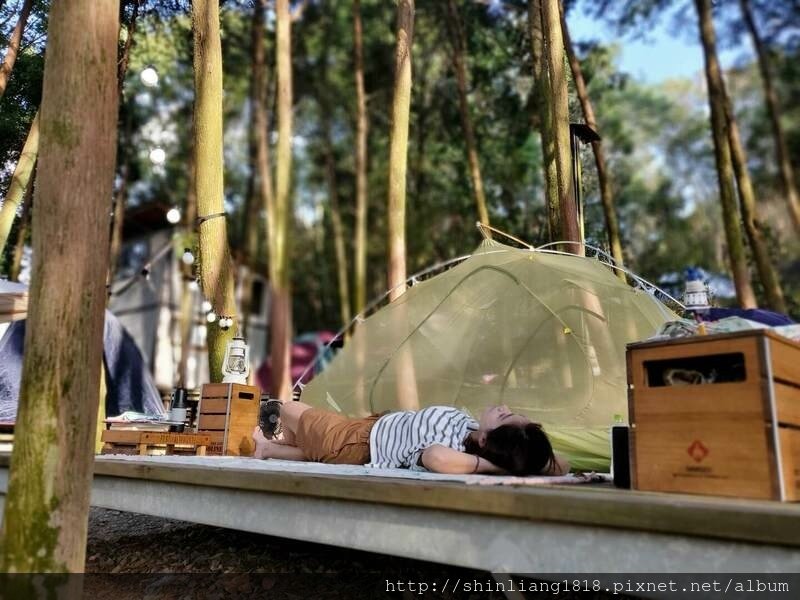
127,441
738,437
228,412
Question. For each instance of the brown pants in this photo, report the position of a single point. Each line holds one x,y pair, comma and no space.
330,438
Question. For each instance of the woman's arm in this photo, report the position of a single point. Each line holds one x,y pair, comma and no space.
441,459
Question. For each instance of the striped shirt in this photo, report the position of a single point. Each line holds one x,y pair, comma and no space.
398,439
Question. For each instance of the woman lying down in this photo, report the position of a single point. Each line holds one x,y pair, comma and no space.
439,438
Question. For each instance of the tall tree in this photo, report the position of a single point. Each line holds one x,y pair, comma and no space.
747,201
20,180
458,41
14,45
554,58
722,155
336,216
362,126
398,152
281,307
788,181
46,509
544,116
121,197
22,233
603,175
260,195
216,268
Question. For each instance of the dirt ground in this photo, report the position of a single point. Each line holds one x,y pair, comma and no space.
136,556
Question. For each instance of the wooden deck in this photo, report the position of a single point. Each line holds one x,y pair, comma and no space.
521,530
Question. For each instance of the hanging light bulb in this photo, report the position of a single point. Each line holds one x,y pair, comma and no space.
211,317
149,77
173,215
188,257
207,306
193,285
158,156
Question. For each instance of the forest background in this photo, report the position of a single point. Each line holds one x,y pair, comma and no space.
656,135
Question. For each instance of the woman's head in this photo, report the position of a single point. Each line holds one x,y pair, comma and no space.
512,442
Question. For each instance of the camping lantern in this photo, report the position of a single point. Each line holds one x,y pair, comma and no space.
236,366
695,294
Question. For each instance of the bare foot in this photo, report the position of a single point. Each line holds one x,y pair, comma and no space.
261,443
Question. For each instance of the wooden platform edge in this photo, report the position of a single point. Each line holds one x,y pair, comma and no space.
696,516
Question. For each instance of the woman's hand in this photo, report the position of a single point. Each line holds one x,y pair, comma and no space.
441,459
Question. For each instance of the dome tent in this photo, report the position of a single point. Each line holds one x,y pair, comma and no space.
542,332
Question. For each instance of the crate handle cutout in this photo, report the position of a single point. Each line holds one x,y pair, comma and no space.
696,370
246,395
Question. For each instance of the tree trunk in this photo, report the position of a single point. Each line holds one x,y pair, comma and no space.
260,192
747,200
261,119
398,162
120,202
336,222
46,509
216,267
125,54
603,176
398,153
459,44
19,181
13,46
722,154
788,181
281,310
362,125
22,233
544,102
554,57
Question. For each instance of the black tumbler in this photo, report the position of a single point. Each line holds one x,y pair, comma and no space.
620,456
177,409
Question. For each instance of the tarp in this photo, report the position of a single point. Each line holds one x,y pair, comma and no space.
128,382
542,332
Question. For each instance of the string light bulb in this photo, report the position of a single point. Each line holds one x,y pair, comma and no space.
188,257
174,215
207,306
158,156
149,77
211,317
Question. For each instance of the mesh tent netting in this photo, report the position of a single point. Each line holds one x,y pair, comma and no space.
542,332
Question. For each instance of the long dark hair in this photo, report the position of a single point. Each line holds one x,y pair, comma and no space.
518,449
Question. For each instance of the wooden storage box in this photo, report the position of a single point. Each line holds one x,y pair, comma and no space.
228,412
736,436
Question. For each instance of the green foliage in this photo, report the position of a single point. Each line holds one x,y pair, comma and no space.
656,137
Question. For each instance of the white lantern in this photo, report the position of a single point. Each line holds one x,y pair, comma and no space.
149,77
695,296
158,156
236,366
